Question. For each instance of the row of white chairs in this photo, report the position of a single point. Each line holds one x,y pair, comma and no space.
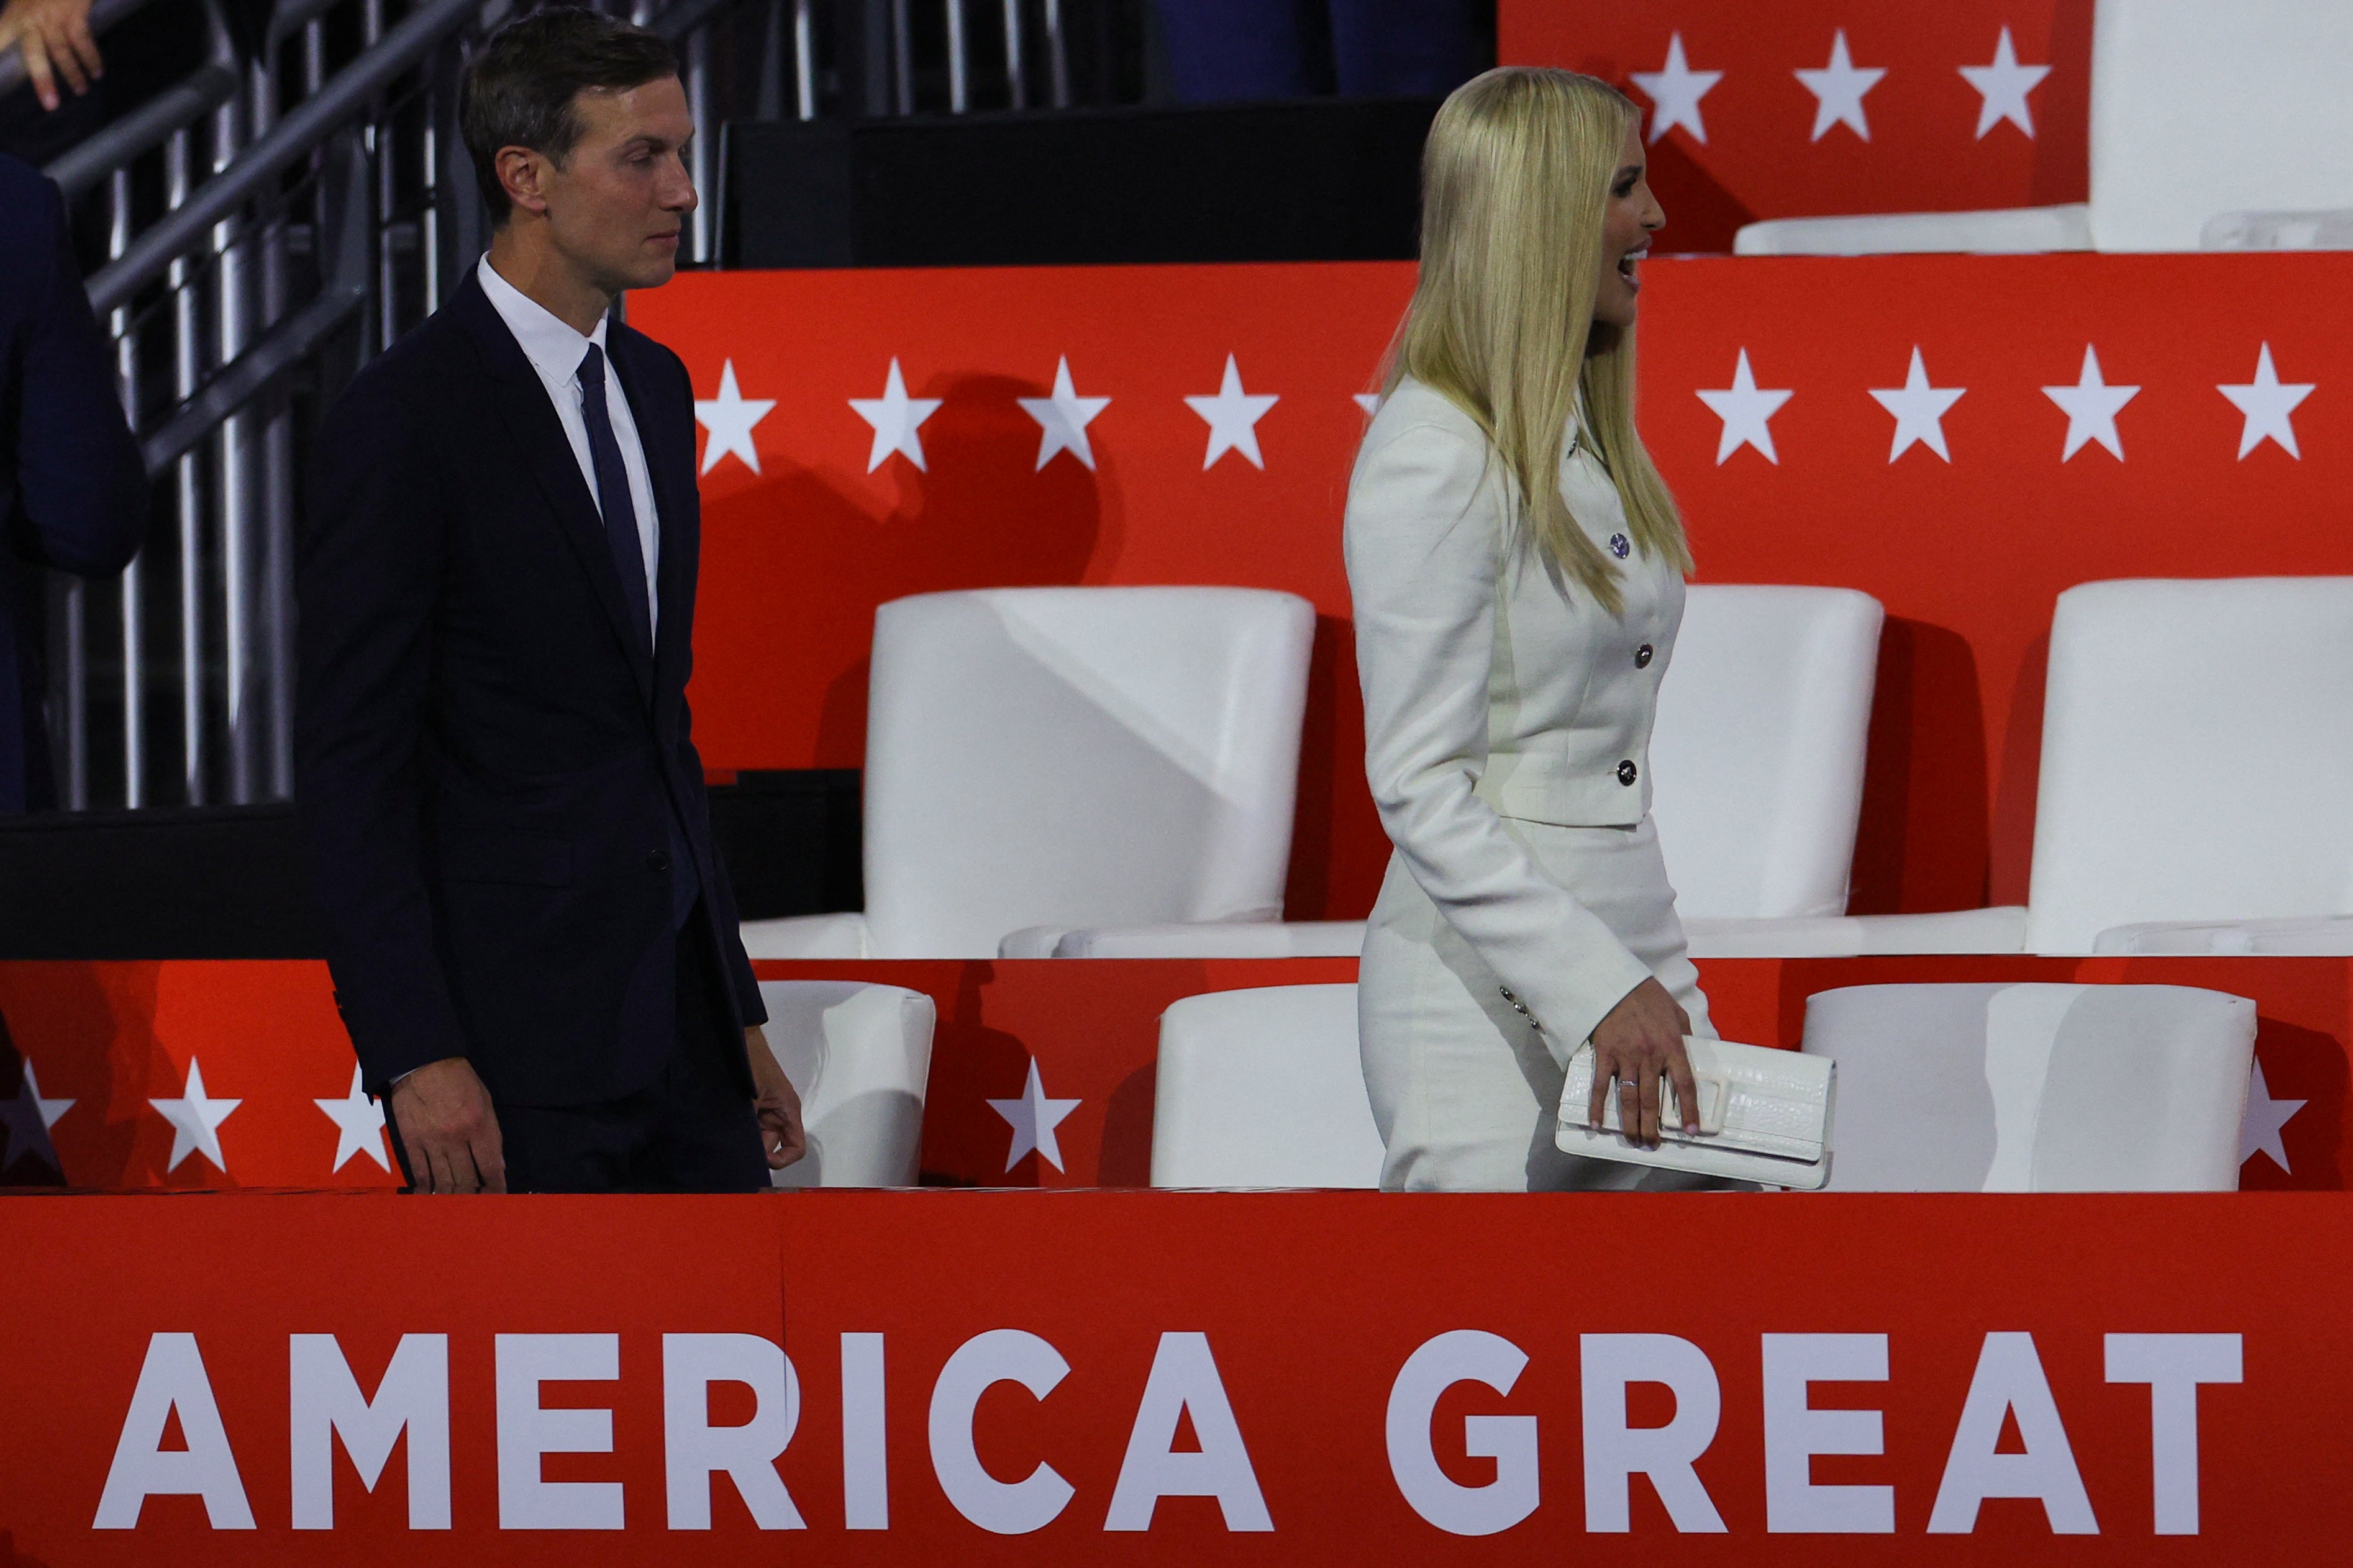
1940,1087
2221,126
1114,772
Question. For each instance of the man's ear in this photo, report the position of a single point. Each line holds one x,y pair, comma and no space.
524,173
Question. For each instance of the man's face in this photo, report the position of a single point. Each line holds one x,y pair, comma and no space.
617,206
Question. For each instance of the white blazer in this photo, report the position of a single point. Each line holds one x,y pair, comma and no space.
1496,688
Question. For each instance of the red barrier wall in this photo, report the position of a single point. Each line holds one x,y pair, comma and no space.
1209,1374
1759,158
1967,550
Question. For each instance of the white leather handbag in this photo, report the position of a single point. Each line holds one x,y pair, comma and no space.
1764,1116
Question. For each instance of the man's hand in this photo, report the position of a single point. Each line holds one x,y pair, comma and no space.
444,1119
775,1102
54,37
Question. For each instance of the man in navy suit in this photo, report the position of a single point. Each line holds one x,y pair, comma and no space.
534,945
73,491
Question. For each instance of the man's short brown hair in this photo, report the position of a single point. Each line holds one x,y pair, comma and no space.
519,88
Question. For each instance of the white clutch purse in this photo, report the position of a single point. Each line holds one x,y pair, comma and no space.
1764,1116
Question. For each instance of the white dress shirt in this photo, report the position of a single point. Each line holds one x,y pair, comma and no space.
555,352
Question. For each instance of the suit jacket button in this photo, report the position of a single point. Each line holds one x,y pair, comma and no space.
657,859
1627,774
1642,656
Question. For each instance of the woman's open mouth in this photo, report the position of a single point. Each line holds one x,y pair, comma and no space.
1627,263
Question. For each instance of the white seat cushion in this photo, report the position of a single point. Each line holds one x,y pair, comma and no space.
2034,1088
1263,1088
1999,231
1225,938
2001,929
860,1057
2306,937
2197,756
1764,719
1079,756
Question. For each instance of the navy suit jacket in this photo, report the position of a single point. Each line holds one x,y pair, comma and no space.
486,764
73,490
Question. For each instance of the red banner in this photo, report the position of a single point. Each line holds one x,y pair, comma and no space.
1148,1377
205,1075
1811,107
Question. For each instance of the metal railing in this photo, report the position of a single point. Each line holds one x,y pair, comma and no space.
286,211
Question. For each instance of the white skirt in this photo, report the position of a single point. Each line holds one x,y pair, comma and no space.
1465,1089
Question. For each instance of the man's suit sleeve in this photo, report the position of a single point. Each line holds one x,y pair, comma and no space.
720,892
367,575
79,479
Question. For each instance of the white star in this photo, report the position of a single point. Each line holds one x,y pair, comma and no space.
1370,402
2004,86
2267,402
1675,91
1919,409
729,417
1233,415
1837,88
2259,1133
28,1118
359,1125
2091,405
1744,407
1062,419
196,1122
894,416
1034,1118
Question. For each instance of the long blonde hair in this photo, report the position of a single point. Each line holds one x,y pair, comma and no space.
1514,179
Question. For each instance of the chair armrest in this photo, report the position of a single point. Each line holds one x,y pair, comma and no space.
808,936
2321,936
1216,939
2000,231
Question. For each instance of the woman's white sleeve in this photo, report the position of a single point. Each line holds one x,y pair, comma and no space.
1424,545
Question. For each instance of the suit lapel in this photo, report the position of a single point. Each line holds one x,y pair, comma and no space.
523,403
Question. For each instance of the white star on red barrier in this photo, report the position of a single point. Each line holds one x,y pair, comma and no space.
895,417
2259,1132
1034,1118
1746,409
2267,402
1675,92
2004,85
1233,415
1062,419
729,417
2091,406
195,1119
27,1118
1837,88
1919,409
359,1125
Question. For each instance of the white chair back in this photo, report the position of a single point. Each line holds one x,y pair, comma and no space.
860,1057
2197,756
2034,1088
2200,109
1263,1088
1078,757
1764,719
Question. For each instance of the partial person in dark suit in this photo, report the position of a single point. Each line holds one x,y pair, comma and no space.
73,492
534,945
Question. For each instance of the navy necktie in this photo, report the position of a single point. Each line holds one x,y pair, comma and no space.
613,498
630,560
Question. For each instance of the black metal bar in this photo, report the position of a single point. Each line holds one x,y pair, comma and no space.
142,130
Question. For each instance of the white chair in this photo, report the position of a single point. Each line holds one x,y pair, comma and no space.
1066,757
1236,939
2197,109
859,1056
2322,938
1263,1088
2197,759
1764,721
2034,1088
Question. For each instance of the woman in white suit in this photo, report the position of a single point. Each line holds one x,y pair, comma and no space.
1517,567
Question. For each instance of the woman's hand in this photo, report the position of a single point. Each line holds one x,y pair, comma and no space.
1635,1048
54,37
